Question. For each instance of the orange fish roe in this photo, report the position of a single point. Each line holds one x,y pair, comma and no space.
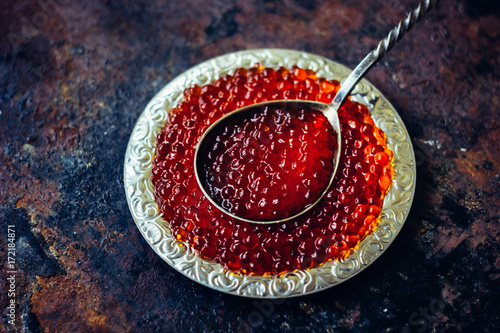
331,230
272,165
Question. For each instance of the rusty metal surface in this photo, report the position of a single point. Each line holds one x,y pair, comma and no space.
74,77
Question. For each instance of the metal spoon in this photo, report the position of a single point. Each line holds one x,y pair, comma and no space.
330,111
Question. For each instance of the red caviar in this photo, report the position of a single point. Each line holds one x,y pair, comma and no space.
331,230
272,165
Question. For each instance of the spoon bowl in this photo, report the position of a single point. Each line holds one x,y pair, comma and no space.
237,116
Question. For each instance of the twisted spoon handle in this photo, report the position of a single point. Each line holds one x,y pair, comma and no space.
383,47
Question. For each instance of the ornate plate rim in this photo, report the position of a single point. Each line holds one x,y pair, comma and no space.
154,229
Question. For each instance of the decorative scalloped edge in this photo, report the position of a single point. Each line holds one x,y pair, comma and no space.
139,189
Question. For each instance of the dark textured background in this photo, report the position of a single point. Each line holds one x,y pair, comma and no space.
74,77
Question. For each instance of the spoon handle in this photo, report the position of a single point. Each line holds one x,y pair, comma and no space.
383,47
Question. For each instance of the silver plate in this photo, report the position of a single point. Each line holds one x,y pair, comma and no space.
139,189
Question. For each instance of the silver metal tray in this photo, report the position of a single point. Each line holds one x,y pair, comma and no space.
139,189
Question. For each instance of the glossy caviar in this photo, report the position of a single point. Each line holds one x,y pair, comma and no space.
273,164
331,230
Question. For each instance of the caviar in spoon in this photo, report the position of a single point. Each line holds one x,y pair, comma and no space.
271,164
